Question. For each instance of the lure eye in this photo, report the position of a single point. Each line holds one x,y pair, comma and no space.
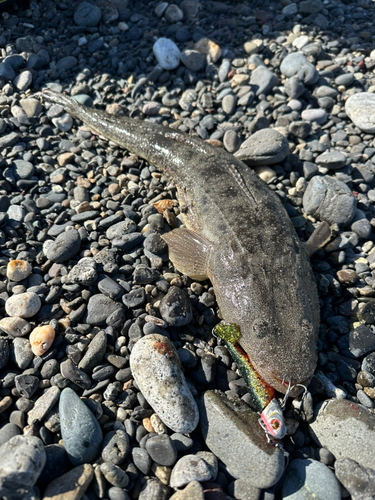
275,424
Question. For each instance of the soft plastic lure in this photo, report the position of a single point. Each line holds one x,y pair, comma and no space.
262,394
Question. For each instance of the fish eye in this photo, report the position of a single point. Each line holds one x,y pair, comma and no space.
275,424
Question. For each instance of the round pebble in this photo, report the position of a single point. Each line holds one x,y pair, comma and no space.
23,305
41,339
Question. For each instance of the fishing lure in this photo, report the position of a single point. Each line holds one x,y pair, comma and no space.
262,394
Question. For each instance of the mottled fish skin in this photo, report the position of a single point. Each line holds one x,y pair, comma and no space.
259,269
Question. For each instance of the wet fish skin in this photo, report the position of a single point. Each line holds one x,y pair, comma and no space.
242,240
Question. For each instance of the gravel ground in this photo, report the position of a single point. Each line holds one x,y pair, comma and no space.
87,289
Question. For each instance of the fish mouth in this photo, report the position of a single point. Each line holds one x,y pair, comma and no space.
284,384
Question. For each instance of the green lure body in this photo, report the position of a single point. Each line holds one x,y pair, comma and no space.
261,393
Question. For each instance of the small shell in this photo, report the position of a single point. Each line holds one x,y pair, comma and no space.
41,339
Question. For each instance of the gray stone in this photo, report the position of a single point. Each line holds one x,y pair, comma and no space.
307,478
294,88
330,200
99,308
358,480
331,160
265,147
167,53
7,432
65,246
94,353
346,79
43,405
141,459
22,459
175,307
21,352
23,305
263,80
120,229
193,60
114,475
296,64
360,108
346,429
80,431
314,115
115,447
4,352
173,403
231,141
162,449
232,432
190,468
310,6
87,15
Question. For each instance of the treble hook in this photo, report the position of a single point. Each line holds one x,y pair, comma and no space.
289,390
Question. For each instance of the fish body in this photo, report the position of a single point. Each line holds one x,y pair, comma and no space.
238,235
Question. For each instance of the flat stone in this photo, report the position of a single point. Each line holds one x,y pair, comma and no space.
70,486
43,405
94,353
65,246
173,403
189,468
265,147
263,80
232,432
346,429
331,160
307,478
330,200
360,108
80,431
99,308
22,459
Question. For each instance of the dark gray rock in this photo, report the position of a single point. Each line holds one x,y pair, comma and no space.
263,80
115,447
80,430
87,14
161,449
99,308
175,307
94,353
232,432
65,246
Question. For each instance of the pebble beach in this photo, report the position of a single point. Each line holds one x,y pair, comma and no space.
112,385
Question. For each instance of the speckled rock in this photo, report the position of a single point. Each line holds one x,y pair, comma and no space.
330,200
189,468
346,429
360,108
22,459
24,305
310,479
358,480
17,270
80,430
16,327
265,147
232,432
167,53
173,403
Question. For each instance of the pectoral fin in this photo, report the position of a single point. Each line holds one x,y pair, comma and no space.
319,238
189,252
